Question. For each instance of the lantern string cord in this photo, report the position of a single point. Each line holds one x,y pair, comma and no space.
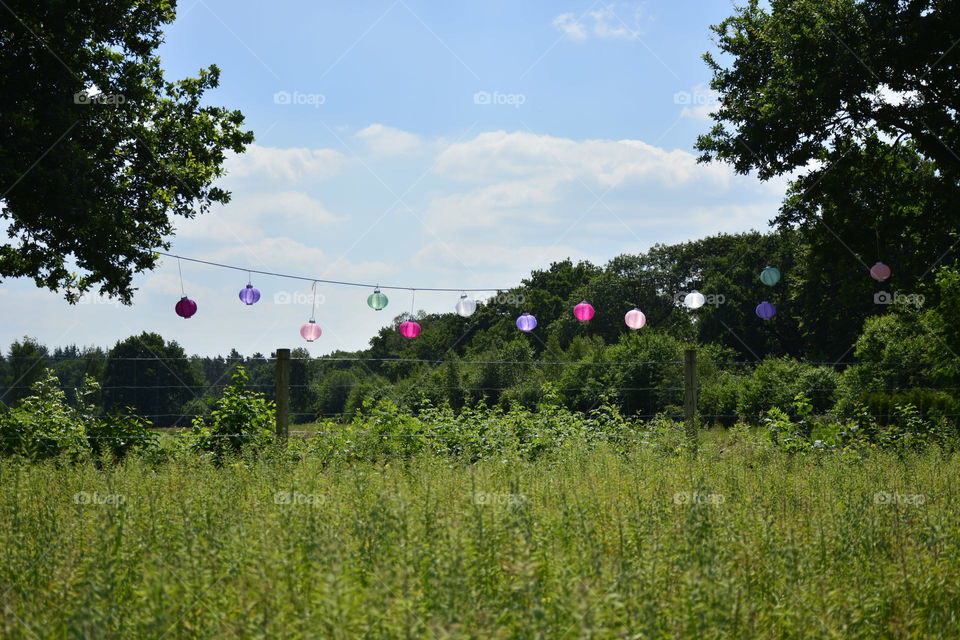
180,271
321,280
313,312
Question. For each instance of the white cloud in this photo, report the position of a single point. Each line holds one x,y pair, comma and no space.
609,23
388,141
569,26
290,165
499,257
250,216
606,163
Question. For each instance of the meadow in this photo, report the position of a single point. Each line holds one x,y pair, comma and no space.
592,540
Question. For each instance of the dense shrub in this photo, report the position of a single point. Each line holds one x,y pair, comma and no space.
242,420
44,424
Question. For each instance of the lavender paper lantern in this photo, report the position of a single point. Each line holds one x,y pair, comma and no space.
635,319
185,307
466,306
584,311
694,300
377,300
409,329
526,322
249,295
880,272
770,276
766,310
310,331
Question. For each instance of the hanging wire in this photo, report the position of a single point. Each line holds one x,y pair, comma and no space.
180,271
337,282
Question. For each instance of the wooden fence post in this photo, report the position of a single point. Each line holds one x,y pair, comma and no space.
690,393
283,393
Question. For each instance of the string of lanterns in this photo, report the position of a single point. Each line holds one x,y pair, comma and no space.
466,306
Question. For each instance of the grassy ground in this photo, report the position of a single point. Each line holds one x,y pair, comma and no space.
738,542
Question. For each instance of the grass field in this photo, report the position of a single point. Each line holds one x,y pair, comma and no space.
737,542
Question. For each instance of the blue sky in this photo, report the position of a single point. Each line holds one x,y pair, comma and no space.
425,144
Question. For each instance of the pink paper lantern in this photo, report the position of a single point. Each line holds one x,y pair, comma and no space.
409,329
310,331
635,319
584,311
880,272
185,307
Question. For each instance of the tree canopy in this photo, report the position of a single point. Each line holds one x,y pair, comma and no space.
98,151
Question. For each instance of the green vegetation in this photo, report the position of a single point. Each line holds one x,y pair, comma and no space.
741,540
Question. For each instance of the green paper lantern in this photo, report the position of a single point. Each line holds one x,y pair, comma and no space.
377,300
770,276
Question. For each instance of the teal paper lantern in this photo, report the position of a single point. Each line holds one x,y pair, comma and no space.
377,300
770,276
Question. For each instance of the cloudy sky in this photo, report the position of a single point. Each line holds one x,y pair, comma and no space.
424,144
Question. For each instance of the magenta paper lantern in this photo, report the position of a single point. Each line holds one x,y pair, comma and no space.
880,272
584,311
186,307
310,331
249,295
635,319
766,310
526,322
409,329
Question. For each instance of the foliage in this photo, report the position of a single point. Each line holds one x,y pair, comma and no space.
243,420
122,147
45,425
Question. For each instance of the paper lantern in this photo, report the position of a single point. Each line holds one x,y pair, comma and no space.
880,272
409,329
377,300
310,331
766,310
526,322
770,276
635,319
185,307
694,300
584,311
249,295
466,306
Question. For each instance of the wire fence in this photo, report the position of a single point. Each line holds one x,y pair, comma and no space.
174,392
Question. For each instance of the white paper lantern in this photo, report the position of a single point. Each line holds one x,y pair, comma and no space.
466,306
694,300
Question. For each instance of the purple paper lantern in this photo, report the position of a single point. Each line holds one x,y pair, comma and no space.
526,322
249,295
310,331
635,319
185,307
584,311
766,310
409,329
880,272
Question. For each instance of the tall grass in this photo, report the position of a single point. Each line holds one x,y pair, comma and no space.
738,541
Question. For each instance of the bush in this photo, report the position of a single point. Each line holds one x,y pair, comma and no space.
777,382
44,425
243,420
